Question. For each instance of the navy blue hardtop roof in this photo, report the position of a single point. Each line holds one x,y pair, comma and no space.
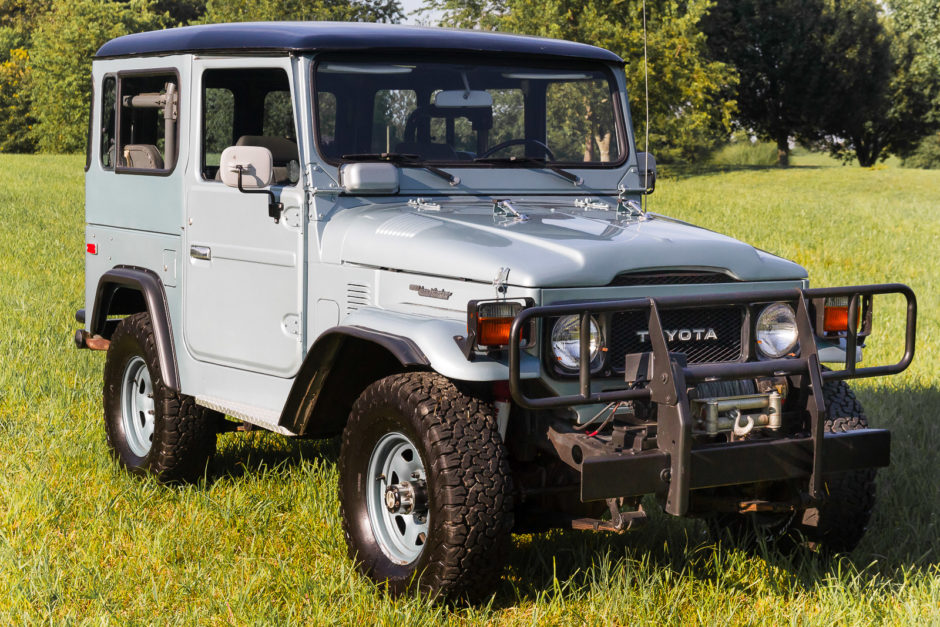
341,36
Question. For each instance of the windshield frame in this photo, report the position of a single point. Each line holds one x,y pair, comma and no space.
623,136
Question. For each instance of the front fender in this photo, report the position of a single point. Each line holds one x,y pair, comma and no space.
435,339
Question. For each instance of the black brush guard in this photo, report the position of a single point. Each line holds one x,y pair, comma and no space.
675,467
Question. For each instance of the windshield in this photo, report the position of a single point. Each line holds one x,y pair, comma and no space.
468,113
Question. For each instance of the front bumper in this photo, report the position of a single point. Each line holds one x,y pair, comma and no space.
675,467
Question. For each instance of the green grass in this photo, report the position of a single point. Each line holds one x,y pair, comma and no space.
746,153
81,541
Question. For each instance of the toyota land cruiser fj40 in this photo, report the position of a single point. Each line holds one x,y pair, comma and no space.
432,243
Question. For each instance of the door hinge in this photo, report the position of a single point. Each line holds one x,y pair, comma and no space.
291,325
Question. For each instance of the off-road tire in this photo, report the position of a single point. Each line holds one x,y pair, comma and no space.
469,486
838,525
841,521
183,433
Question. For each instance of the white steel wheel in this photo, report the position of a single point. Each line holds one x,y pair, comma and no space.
396,500
137,406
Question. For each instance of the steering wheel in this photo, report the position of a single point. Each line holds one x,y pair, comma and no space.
518,142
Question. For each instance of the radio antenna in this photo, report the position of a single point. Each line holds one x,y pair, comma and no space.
646,84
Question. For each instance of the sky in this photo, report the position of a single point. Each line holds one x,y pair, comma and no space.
410,6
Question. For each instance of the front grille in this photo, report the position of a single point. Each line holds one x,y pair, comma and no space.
726,322
669,278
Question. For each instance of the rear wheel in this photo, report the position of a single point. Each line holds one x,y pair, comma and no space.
149,428
425,489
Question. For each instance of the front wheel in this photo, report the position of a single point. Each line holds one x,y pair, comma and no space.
425,489
840,522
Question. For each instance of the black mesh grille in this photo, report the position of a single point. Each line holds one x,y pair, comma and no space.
694,324
669,278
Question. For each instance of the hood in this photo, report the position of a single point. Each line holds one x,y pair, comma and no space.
552,248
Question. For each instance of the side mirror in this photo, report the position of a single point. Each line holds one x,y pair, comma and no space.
646,164
369,178
249,168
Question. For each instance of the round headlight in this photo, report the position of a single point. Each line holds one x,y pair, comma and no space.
776,330
566,342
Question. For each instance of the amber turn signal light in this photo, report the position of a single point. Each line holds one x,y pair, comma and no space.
836,316
493,331
489,324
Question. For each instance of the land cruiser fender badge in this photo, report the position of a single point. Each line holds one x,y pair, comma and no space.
683,335
430,292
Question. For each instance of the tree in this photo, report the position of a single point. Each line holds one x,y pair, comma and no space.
690,96
180,12
777,47
881,91
64,42
16,120
328,10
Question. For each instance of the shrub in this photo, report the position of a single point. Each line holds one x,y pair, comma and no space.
746,153
926,156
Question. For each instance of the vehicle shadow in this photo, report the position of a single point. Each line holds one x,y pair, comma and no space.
909,489
239,454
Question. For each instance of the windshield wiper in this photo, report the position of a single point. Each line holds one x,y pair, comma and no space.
536,161
403,158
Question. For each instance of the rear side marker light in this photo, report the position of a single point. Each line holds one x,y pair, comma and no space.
91,249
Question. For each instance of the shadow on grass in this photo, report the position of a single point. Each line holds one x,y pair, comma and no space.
903,534
689,170
253,452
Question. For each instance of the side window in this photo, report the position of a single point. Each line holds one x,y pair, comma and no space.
219,103
278,115
147,137
106,124
249,107
326,112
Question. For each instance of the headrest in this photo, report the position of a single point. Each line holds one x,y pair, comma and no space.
282,150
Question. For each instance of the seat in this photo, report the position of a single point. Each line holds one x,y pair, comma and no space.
283,151
142,157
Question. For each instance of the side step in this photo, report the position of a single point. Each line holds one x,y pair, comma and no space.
258,416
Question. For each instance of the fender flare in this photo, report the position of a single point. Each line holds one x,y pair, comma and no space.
317,367
151,288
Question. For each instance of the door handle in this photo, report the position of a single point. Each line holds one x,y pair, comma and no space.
200,252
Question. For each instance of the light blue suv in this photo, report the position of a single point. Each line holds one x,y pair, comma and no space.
432,243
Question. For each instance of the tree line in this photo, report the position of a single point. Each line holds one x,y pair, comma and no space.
859,78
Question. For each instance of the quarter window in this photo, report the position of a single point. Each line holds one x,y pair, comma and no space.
147,120
106,127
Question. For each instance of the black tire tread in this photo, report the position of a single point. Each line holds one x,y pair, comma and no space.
843,518
185,435
474,482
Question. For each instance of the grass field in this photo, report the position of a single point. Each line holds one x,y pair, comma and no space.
260,542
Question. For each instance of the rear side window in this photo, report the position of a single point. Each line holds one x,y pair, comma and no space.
106,125
249,107
147,129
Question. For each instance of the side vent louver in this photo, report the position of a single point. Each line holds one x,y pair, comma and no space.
357,297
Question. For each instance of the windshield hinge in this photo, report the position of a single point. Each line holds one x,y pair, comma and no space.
503,209
628,207
591,203
422,204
